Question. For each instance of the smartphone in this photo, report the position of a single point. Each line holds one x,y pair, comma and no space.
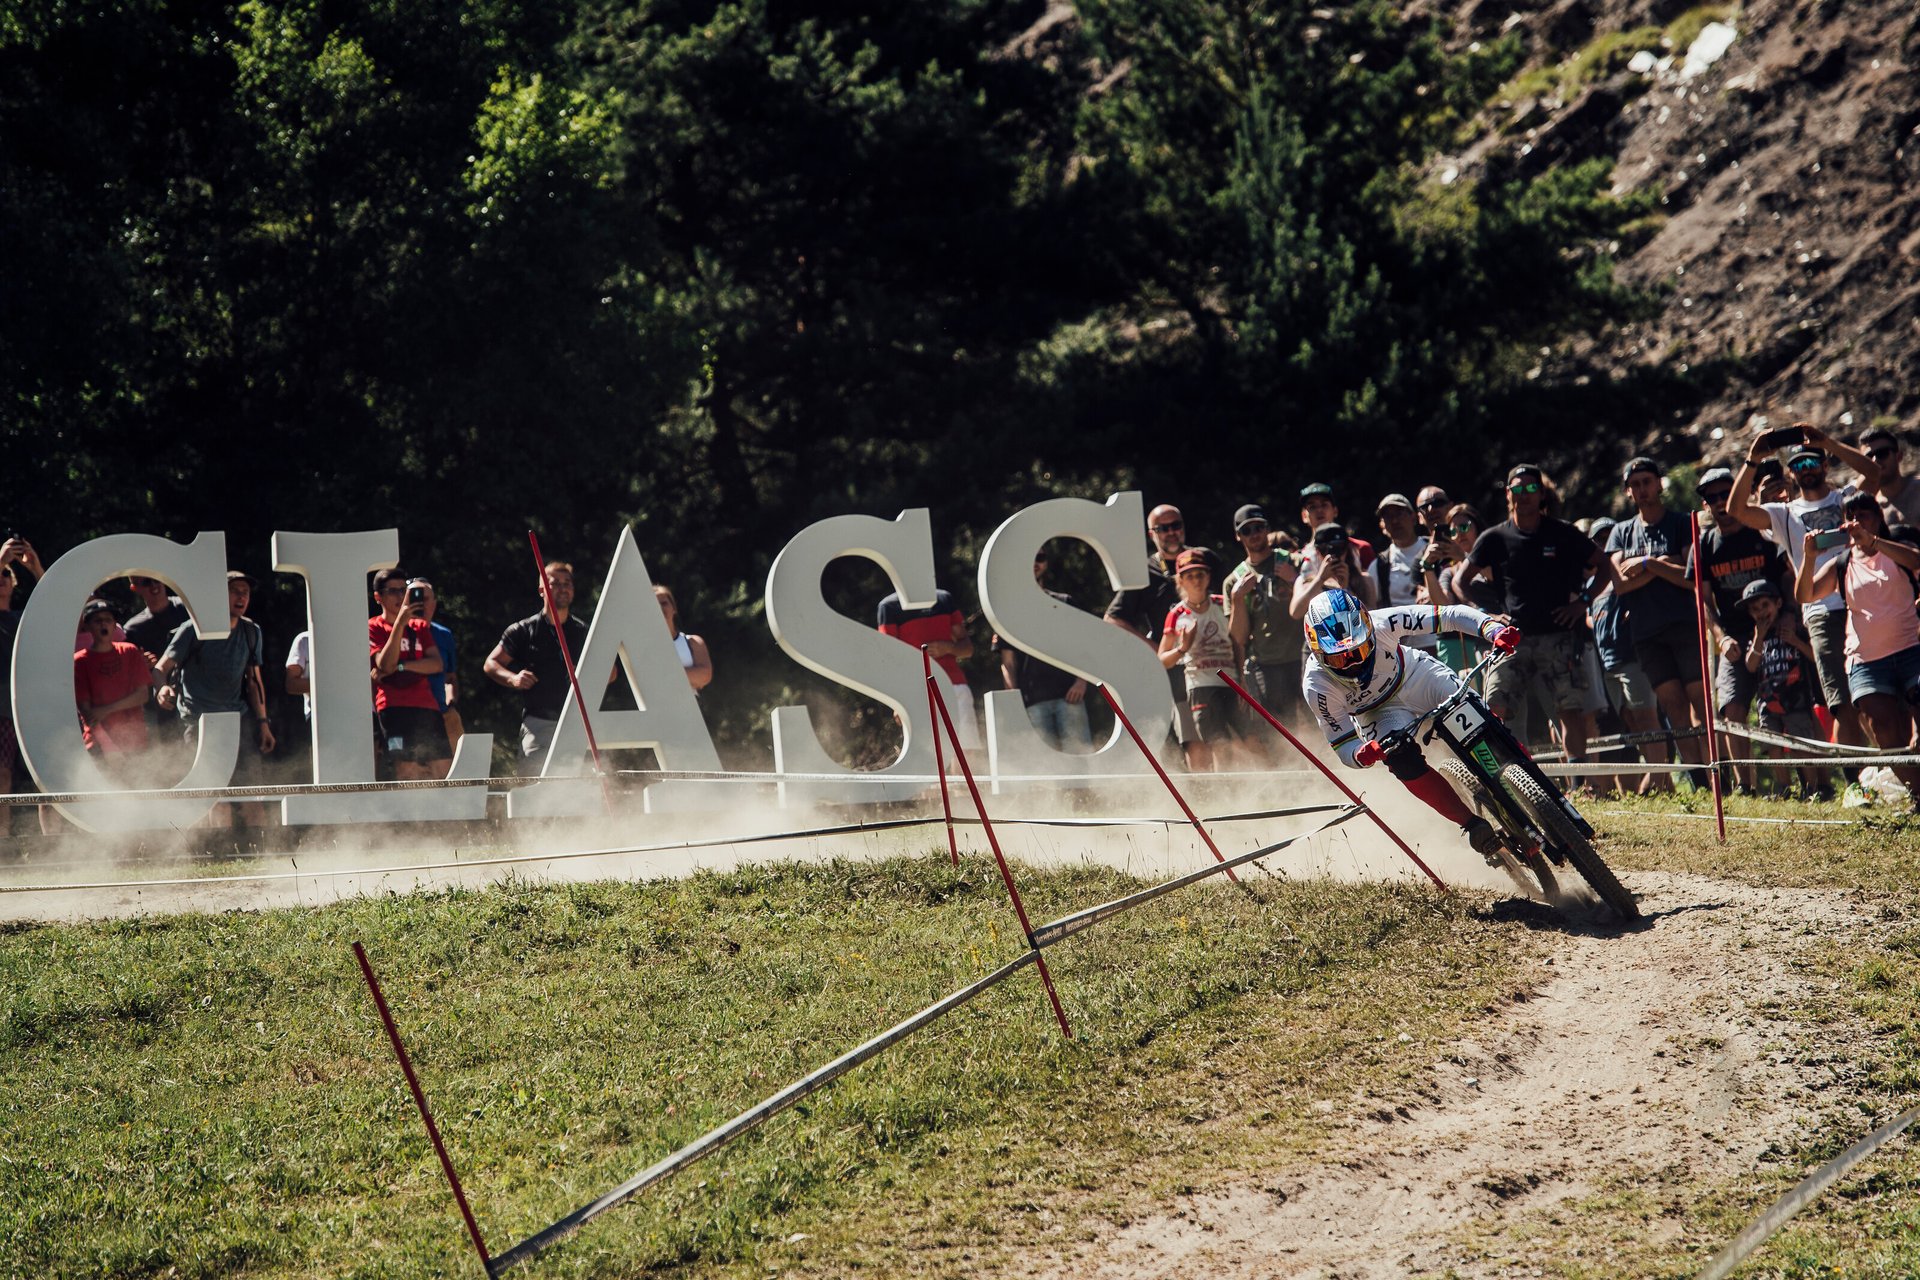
1781,437
416,595
1828,539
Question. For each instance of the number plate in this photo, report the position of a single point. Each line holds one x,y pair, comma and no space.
1465,720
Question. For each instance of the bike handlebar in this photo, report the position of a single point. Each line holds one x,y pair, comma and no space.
1400,737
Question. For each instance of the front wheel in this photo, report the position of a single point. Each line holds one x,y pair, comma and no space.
1560,829
1474,792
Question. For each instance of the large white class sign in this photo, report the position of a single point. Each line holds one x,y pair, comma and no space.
43,706
627,629
1023,615
853,654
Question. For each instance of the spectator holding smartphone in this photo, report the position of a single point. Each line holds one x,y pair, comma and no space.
1874,576
1266,642
413,736
1815,508
1333,561
1734,557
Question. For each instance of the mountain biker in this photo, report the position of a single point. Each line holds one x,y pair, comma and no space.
1363,683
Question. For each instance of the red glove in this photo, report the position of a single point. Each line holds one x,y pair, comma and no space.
1506,639
1370,754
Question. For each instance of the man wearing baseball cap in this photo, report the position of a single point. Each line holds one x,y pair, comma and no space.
1816,507
1266,641
223,675
1399,568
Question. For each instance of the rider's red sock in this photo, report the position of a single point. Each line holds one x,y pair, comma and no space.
1438,793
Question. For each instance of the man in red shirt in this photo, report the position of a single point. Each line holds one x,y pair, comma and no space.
111,684
943,630
412,733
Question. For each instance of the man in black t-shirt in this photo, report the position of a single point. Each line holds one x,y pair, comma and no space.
151,629
528,660
1143,611
1735,557
1056,700
1540,565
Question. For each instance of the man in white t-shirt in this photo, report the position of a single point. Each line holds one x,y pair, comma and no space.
1397,572
1815,507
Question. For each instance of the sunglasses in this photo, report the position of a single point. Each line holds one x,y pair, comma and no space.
1530,486
1881,455
1718,495
1462,526
1439,503
1805,464
1169,528
1253,526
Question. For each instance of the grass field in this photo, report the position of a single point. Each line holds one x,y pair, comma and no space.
206,1095
211,1095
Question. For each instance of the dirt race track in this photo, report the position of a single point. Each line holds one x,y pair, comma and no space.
1664,1052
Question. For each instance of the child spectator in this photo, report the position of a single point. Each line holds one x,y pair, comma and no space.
111,685
1780,658
1196,636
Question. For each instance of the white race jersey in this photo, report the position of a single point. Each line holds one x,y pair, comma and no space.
1352,711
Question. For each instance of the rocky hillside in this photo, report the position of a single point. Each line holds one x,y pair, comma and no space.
1788,256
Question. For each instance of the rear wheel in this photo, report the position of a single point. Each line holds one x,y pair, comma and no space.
1532,876
1575,846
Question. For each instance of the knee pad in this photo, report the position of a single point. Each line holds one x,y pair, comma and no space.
1407,763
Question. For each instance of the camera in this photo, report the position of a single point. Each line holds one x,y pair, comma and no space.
416,595
1828,539
1780,437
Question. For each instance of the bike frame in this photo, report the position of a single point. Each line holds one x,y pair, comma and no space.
1478,738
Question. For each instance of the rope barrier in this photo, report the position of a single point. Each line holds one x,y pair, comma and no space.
1761,1229
714,1139
852,828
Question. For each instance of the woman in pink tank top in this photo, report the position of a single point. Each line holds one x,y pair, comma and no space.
1876,579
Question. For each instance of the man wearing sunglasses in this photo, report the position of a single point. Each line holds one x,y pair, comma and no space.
1735,557
1816,507
1433,504
1143,611
1266,641
1539,564
1899,493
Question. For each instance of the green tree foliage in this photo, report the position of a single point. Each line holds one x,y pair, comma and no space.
723,267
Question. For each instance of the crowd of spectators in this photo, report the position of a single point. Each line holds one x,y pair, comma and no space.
1810,601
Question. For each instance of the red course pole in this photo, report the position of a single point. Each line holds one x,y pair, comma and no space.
1332,777
1006,875
420,1101
1706,680
939,756
1178,799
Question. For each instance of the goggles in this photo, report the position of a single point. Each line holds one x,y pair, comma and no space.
1348,659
